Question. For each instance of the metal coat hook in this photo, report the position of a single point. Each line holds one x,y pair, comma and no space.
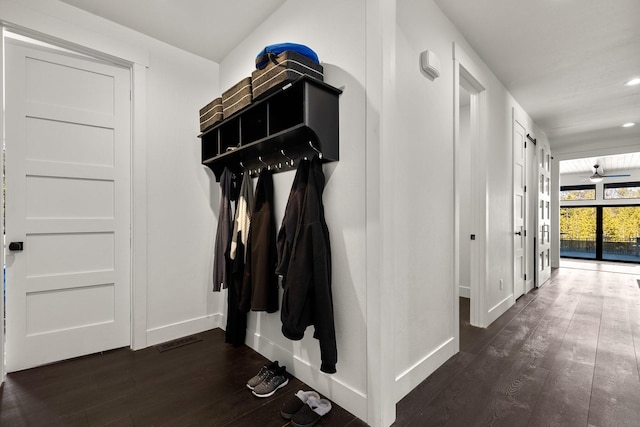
289,159
315,149
262,161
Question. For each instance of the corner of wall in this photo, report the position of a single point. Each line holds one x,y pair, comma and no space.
412,377
182,329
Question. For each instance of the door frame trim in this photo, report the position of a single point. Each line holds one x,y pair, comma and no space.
2,368
138,171
465,70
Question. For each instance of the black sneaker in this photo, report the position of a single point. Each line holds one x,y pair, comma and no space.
265,372
272,383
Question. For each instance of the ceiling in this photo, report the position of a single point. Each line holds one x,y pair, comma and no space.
608,164
207,28
565,61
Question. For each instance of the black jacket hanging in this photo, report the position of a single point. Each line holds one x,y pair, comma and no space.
237,319
292,214
260,284
307,298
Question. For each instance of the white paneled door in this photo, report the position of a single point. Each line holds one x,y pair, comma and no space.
544,216
519,209
67,205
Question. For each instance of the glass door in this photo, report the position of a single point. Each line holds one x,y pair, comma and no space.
578,232
621,233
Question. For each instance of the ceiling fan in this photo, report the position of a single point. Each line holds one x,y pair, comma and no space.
598,177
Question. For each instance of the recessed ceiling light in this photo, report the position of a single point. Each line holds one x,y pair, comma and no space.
628,125
633,82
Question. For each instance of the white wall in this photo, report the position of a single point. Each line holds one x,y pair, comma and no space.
424,207
179,197
335,30
182,196
424,221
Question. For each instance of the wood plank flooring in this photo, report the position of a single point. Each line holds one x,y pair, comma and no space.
200,384
567,354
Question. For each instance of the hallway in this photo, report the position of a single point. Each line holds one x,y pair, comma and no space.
567,354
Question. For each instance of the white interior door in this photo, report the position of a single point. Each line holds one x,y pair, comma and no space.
519,208
68,201
530,241
544,216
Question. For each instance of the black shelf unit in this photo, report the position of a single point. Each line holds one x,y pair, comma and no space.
297,121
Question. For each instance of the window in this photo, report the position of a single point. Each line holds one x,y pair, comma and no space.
621,233
578,192
622,190
601,232
578,232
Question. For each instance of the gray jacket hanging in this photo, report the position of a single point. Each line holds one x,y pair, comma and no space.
223,233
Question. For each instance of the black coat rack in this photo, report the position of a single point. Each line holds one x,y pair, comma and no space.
301,120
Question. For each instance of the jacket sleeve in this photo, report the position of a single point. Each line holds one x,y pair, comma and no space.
325,330
297,309
244,299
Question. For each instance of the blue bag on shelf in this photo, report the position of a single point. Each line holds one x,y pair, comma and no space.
273,50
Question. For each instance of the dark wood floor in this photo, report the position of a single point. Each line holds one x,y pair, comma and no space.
200,384
567,354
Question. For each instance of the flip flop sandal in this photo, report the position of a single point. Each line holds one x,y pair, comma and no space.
311,412
293,405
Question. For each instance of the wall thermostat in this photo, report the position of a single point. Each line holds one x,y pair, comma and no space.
430,64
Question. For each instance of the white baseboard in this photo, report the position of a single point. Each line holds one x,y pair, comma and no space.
411,377
465,291
528,285
499,309
353,400
181,329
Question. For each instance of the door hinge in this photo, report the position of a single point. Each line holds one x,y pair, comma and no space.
525,277
525,233
525,188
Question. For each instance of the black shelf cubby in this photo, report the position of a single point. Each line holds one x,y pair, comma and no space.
254,124
228,136
297,121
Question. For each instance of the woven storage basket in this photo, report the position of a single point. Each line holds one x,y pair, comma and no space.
237,97
283,69
210,114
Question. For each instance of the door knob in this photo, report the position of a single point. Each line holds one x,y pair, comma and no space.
16,246
519,233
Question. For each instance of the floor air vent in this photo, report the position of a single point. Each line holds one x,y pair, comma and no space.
180,342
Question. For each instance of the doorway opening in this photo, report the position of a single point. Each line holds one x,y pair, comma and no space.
471,218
